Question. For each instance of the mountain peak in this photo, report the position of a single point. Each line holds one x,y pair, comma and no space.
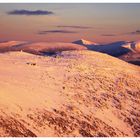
84,42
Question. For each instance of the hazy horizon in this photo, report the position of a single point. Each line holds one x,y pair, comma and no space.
100,23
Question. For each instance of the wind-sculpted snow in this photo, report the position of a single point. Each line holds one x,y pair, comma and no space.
76,93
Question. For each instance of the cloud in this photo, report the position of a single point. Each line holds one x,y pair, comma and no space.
108,35
137,32
56,31
75,27
30,13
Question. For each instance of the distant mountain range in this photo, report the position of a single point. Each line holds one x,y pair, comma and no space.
134,55
127,51
39,48
114,49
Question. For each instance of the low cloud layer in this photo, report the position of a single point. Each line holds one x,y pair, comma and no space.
56,31
137,32
108,35
30,13
75,27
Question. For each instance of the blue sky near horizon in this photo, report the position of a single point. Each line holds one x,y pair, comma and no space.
69,22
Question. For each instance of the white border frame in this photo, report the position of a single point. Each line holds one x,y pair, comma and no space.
69,1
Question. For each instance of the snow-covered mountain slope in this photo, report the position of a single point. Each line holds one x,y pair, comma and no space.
114,49
133,46
134,55
76,93
8,45
39,47
44,47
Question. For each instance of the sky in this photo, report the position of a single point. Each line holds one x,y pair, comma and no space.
101,23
